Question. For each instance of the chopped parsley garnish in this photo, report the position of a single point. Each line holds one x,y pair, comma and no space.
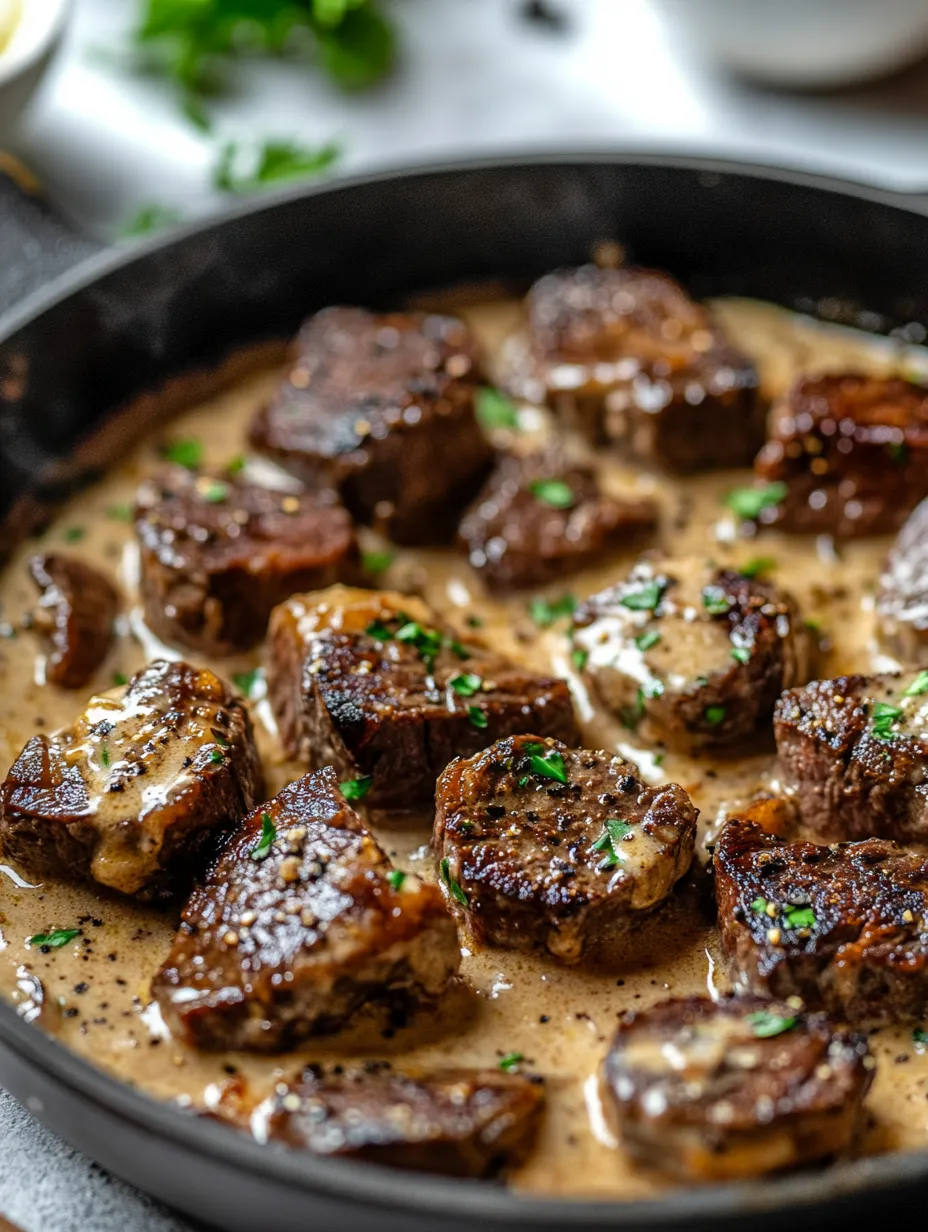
262,847
644,641
396,879
579,657
549,765
715,601
553,492
215,491
454,889
631,716
377,562
544,612
714,715
217,757
120,513
477,717
428,642
235,465
658,759
740,654
510,1061
245,681
918,686
186,452
120,680
884,716
919,1037
378,631
74,534
767,1024
147,220
757,567
748,503
55,938
759,904
613,832
495,410
645,598
105,756
274,162
356,789
798,917
467,684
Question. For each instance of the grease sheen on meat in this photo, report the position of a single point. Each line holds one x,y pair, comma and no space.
133,792
691,656
842,927
636,363
297,925
711,1091
560,849
376,685
381,408
458,1122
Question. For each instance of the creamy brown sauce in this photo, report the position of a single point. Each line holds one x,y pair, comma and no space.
93,993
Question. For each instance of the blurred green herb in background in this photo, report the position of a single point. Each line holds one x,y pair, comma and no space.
272,163
150,218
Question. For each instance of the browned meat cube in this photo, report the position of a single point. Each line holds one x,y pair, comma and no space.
374,684
381,408
902,599
629,357
539,518
77,608
713,1092
853,749
460,1122
850,454
842,927
217,554
131,795
299,923
542,846
691,656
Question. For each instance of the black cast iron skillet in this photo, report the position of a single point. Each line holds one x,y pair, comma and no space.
119,325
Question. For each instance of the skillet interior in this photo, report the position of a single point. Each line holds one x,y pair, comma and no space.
183,304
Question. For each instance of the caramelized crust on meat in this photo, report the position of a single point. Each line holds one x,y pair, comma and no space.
219,553
460,1122
636,363
842,927
538,518
297,925
713,1092
691,656
852,451
77,608
902,599
542,846
376,685
381,408
134,792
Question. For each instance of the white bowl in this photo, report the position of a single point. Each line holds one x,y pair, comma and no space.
804,43
26,56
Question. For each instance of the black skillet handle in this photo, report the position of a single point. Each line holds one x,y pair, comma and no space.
36,245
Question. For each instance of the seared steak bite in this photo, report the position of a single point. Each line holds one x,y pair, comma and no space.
298,924
540,517
691,656
854,749
77,608
457,1122
902,599
541,846
712,1092
851,453
381,408
374,684
143,782
842,927
636,363
218,553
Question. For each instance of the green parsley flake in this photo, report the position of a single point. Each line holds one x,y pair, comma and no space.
919,1038
579,657
477,717
245,681
767,1024
120,513
377,562
714,715
510,1061
467,684
613,832
120,680
759,904
378,631
749,503
454,889
186,452
553,492
644,598
715,601
495,410
644,641
918,686
758,567
262,848
549,766
215,491
356,789
55,938
396,879
74,534
544,612
217,757
798,917
241,170
105,756
235,465
740,654
884,716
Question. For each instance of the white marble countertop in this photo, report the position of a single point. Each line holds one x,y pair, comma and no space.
475,78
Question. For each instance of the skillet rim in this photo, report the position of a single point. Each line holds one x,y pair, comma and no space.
370,1186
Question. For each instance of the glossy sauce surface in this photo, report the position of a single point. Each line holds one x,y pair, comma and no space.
93,992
